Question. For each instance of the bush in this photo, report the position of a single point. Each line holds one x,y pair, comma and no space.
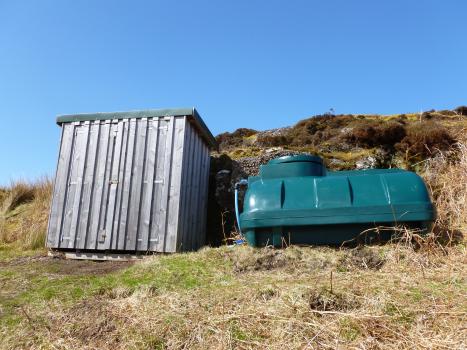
273,140
318,129
427,115
235,139
423,140
384,135
446,112
462,110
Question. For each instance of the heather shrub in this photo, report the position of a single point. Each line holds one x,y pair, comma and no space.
272,140
234,139
423,140
461,110
318,129
383,135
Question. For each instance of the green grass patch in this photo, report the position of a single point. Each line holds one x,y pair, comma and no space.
349,329
399,313
45,283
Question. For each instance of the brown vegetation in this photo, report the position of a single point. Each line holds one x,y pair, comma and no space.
406,139
383,134
234,139
425,140
446,176
24,210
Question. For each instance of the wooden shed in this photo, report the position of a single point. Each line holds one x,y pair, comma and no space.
131,182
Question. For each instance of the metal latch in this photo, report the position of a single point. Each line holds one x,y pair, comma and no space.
102,235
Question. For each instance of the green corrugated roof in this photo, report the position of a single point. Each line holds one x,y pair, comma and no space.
169,112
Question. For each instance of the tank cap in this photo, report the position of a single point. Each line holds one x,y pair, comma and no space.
297,158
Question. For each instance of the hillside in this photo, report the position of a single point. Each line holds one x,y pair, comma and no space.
407,294
356,141
417,142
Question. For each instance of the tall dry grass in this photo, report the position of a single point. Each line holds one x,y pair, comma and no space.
446,177
24,209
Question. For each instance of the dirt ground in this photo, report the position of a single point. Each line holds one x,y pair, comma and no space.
64,266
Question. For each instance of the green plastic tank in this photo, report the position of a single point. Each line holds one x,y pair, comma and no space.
295,200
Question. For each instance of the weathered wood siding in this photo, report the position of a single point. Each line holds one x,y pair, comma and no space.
135,185
195,178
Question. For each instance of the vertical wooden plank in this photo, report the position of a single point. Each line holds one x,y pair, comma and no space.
53,188
195,209
156,231
120,185
99,185
173,208
69,192
192,212
199,216
60,186
127,181
162,222
102,234
204,197
184,187
191,194
137,184
75,186
88,183
148,185
116,157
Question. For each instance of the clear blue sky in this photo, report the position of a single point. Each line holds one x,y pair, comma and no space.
242,63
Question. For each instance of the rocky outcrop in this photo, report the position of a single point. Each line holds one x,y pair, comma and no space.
250,165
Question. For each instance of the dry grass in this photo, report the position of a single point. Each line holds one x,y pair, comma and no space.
24,211
446,176
386,297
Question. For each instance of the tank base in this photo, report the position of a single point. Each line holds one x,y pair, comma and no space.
328,234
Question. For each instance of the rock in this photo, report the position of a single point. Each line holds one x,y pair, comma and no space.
250,165
366,163
273,149
335,163
346,130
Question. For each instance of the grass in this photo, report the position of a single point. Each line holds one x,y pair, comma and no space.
24,213
240,298
446,176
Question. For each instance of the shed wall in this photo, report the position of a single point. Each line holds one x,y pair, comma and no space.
120,186
195,179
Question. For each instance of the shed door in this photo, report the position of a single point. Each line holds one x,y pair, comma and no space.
112,187
136,190
111,183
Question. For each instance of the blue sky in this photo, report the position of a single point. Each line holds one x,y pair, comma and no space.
242,63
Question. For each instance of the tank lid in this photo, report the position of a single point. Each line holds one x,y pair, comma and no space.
297,158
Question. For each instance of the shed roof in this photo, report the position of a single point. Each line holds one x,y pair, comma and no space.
192,113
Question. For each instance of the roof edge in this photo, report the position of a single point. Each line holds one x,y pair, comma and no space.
150,113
